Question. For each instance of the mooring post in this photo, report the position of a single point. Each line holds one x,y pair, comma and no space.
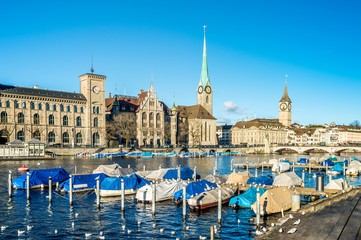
349,180
123,194
160,166
296,202
258,208
212,232
353,182
98,193
50,190
247,165
293,165
256,172
303,178
10,185
128,166
70,190
231,165
184,198
329,178
262,167
153,199
179,172
144,168
219,205
27,186
309,170
195,173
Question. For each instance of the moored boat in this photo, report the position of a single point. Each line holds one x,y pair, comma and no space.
111,186
210,198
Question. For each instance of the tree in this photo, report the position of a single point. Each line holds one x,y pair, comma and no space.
356,124
167,132
183,129
124,126
7,131
194,133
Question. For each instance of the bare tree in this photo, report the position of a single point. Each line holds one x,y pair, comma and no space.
183,130
122,125
194,133
7,131
355,124
167,132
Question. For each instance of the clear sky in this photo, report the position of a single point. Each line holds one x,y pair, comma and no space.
251,46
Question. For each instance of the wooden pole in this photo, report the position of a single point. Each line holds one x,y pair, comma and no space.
303,178
262,167
123,194
179,173
231,165
10,185
144,168
219,205
98,193
258,209
212,232
184,202
50,190
293,165
70,190
27,186
195,173
153,199
160,166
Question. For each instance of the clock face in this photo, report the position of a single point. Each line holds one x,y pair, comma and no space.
289,107
283,106
200,89
95,89
208,89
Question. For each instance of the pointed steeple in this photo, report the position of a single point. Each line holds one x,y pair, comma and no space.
285,97
151,85
204,75
174,108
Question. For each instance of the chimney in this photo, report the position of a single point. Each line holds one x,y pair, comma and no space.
110,95
246,119
141,90
36,86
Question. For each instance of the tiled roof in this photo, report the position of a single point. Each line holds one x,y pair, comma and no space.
122,101
40,92
258,122
301,131
195,111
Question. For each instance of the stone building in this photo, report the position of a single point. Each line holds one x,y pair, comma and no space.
55,117
285,108
224,134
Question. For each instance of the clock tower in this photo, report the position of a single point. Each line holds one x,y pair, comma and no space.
204,89
285,108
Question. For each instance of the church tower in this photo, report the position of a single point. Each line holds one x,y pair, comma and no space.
204,89
285,106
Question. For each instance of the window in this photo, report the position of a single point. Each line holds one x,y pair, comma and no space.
75,109
7,104
36,135
151,120
65,137
20,117
97,110
207,99
68,108
54,107
51,137
16,104
32,105
39,106
96,138
158,120
24,104
144,119
96,122
62,108
79,138
65,120
93,109
47,107
4,117
20,136
51,119
81,109
78,121
36,119
1,104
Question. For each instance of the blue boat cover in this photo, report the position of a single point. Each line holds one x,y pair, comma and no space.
194,189
262,180
38,177
286,161
132,181
247,198
337,168
86,181
327,162
186,173
354,159
303,161
342,163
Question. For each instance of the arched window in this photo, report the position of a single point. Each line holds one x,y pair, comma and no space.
47,107
78,121
24,104
16,104
20,136
95,122
68,108
51,119
39,105
93,109
96,138
36,135
65,120
207,99
20,117
151,119
61,107
51,137
7,104
79,138
75,109
81,109
4,117
158,120
36,119
54,107
32,105
65,137
144,119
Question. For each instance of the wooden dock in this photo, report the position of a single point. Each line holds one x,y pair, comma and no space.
269,166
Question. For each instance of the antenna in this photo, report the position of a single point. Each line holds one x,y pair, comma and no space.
92,69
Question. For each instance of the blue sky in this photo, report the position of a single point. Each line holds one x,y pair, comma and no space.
251,46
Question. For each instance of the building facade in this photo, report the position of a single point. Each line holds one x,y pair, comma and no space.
55,117
224,135
285,108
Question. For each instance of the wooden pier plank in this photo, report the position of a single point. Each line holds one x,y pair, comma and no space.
353,224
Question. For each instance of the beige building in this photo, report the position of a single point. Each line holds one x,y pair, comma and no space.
55,117
349,135
259,132
285,108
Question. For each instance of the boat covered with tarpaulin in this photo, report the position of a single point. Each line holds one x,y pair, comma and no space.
83,182
303,161
288,179
194,189
113,170
336,169
186,174
274,200
164,191
336,184
239,177
218,179
327,162
246,199
39,178
210,198
111,186
262,180
281,166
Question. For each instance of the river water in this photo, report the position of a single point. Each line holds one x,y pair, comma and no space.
60,221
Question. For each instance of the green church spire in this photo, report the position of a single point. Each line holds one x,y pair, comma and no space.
204,75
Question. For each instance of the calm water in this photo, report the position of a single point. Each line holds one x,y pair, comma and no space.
45,219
